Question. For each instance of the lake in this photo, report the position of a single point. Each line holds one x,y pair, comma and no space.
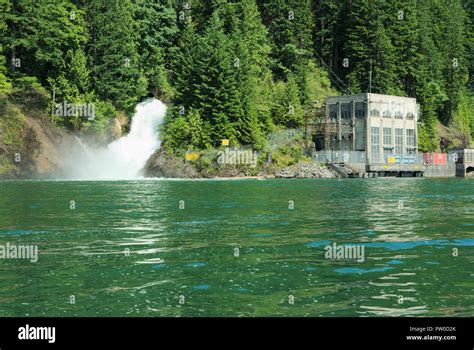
238,247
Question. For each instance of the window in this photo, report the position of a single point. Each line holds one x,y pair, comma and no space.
399,142
410,109
386,110
410,138
333,113
375,108
346,112
375,113
387,136
375,140
398,110
360,110
387,152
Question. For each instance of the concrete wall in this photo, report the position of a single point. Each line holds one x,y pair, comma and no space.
447,170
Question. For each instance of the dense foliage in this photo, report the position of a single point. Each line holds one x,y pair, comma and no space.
239,69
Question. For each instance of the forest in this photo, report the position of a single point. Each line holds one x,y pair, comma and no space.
239,69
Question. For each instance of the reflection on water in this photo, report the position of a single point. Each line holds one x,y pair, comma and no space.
237,249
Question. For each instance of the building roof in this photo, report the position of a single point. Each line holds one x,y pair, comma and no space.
370,96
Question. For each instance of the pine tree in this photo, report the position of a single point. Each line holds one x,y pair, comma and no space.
184,69
384,61
252,65
469,8
157,29
113,56
455,65
217,90
40,34
462,119
289,112
368,48
290,24
327,31
356,53
403,31
4,83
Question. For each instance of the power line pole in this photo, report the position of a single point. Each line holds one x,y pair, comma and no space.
370,78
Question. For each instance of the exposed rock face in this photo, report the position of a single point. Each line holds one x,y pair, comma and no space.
46,146
32,147
37,152
163,165
304,170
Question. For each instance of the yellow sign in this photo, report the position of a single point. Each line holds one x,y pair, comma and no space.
391,160
225,142
192,157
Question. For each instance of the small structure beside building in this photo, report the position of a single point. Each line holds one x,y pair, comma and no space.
369,134
464,162
439,164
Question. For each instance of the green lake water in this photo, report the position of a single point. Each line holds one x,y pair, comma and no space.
237,248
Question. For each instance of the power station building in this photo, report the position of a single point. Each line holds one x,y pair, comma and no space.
371,133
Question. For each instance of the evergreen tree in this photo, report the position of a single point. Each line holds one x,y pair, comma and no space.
157,30
184,70
469,8
40,34
328,30
290,24
453,47
289,112
4,83
217,90
252,65
113,56
368,49
403,31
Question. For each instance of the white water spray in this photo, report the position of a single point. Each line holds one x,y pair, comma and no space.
124,158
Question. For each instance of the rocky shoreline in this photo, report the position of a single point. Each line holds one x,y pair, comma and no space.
162,165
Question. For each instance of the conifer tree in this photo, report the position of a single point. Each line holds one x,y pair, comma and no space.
252,65
403,30
157,29
455,65
289,112
217,90
290,24
113,56
368,48
4,83
40,35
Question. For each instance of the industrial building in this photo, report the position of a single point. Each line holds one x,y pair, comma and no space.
369,134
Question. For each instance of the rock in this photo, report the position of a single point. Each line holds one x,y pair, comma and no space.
304,170
162,165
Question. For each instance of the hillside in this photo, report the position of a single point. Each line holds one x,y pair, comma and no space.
236,70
